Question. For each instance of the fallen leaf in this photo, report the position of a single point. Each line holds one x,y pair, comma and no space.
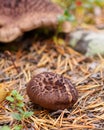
3,92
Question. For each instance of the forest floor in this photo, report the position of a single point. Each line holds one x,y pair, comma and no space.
86,73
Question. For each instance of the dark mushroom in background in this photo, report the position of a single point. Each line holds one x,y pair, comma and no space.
52,91
19,16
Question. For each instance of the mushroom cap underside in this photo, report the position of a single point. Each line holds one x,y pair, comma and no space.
19,16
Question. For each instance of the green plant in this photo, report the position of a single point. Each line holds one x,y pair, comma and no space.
5,128
77,10
17,105
17,127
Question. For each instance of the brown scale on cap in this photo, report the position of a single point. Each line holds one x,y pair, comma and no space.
19,16
52,91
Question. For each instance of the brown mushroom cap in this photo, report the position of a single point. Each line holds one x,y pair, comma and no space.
52,91
19,16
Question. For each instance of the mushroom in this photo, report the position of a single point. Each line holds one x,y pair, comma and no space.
19,16
52,91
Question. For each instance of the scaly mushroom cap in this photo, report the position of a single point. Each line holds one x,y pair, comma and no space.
52,91
19,16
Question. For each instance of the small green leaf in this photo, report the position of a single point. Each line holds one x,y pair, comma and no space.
19,97
10,99
5,128
17,116
66,17
66,12
20,104
61,18
20,110
18,127
28,114
14,92
70,17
